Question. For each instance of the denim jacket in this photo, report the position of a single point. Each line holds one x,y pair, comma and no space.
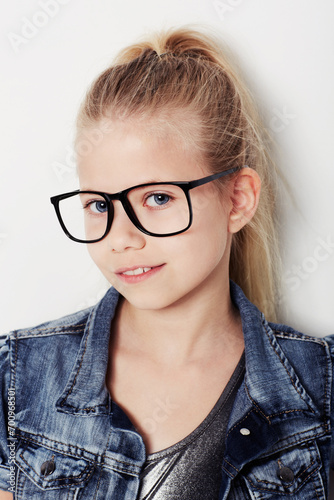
72,442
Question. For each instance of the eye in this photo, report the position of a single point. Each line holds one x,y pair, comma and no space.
97,207
157,199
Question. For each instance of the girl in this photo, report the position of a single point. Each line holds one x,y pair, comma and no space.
174,386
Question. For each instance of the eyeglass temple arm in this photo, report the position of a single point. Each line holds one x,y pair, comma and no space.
213,177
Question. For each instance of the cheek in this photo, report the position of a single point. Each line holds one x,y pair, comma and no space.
97,254
203,201
100,255
211,221
205,243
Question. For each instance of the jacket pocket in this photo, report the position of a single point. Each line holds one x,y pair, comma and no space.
293,473
49,473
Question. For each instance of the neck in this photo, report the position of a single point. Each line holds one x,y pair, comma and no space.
195,328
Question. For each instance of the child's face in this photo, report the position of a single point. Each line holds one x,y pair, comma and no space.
192,262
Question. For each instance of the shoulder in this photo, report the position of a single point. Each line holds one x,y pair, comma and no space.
312,357
56,341
288,332
69,324
33,346
288,336
265,338
75,322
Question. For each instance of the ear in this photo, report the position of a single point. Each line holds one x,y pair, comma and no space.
245,196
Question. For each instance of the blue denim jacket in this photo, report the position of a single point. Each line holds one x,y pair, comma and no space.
72,442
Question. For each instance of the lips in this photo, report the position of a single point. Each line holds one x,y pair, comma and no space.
138,270
137,273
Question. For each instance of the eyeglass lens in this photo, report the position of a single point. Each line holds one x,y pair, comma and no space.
160,209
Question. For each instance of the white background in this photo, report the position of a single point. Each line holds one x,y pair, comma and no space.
285,48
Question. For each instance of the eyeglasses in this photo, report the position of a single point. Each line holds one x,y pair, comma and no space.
157,209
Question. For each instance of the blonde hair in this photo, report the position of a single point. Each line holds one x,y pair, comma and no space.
182,76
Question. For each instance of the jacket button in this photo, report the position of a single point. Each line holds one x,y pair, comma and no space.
285,474
48,467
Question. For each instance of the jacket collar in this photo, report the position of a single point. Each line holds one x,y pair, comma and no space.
266,366
271,406
86,392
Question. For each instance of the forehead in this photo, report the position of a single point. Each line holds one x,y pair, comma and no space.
119,154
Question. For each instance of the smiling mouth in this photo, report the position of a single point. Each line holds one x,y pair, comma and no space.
139,270
137,274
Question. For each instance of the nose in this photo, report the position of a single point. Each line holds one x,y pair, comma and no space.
123,234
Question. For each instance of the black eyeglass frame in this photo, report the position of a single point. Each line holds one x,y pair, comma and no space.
122,197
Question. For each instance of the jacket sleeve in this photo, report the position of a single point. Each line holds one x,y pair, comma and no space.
7,398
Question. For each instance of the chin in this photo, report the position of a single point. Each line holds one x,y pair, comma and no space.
148,300
148,303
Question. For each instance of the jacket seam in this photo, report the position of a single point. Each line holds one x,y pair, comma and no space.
231,465
270,490
40,331
50,447
228,472
103,456
21,484
301,337
294,385
327,394
95,462
302,439
285,411
296,476
256,405
315,489
87,409
15,362
62,403
58,479
328,357
98,484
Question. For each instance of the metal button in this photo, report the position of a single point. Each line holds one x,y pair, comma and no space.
285,474
48,467
244,431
